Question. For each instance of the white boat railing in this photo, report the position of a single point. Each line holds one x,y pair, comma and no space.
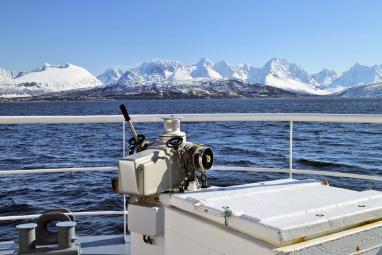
230,117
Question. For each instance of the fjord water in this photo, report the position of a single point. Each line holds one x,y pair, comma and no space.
353,148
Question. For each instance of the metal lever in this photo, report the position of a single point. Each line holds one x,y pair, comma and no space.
128,120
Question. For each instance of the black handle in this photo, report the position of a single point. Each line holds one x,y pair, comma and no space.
174,142
124,112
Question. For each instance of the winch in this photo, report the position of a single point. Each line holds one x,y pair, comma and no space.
170,164
151,173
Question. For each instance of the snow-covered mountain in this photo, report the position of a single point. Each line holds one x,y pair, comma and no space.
325,78
131,78
371,90
111,75
359,75
276,72
239,72
231,88
282,74
156,69
6,75
205,69
49,78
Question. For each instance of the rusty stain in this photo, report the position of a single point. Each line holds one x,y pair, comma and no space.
325,182
300,239
307,238
294,246
366,222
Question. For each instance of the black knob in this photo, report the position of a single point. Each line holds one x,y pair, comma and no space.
124,112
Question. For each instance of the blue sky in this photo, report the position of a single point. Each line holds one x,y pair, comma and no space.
98,34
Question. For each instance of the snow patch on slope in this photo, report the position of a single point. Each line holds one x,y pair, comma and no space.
6,75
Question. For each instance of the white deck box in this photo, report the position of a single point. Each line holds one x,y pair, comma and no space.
276,217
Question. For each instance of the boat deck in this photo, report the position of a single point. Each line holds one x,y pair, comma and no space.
90,245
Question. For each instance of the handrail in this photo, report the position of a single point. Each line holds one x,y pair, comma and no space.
214,168
59,170
217,117
76,214
299,171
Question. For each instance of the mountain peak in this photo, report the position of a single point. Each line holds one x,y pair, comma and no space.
111,75
221,63
205,69
159,69
325,78
205,61
277,61
47,65
358,66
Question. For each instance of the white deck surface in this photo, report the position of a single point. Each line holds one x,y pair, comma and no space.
285,211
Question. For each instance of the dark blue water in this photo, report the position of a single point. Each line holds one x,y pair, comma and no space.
354,148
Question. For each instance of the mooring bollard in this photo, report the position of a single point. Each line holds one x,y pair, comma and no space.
27,237
66,234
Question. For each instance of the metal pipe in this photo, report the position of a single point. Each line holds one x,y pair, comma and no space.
77,214
61,170
123,139
227,168
223,117
124,219
294,171
290,149
124,196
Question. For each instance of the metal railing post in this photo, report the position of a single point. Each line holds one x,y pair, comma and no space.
291,149
124,219
124,138
124,196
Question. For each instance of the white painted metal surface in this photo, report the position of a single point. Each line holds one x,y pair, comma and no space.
148,219
224,117
59,170
146,173
215,168
283,212
35,216
193,235
298,171
206,237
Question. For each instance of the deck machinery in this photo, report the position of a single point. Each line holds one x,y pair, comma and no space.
172,210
